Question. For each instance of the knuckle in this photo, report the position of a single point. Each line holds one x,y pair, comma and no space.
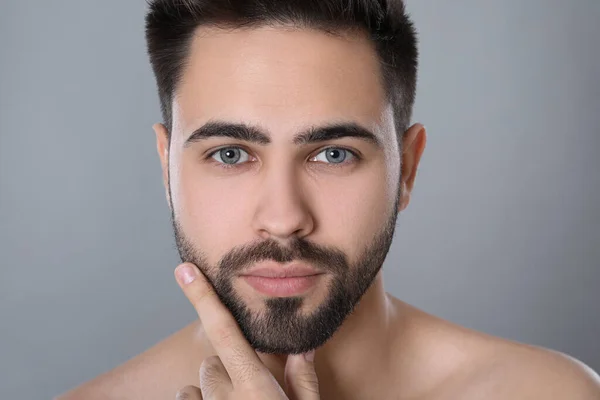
225,334
211,367
211,374
308,382
188,393
205,292
245,370
248,371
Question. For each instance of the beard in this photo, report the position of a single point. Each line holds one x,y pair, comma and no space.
281,328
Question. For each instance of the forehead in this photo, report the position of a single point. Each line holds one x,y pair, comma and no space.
280,78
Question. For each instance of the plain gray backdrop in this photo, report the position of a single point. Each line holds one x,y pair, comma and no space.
502,234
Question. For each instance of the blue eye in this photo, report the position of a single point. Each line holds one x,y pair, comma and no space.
230,155
335,155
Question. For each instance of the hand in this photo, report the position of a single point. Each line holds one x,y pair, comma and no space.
237,372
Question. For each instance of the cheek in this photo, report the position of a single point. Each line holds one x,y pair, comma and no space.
210,209
357,207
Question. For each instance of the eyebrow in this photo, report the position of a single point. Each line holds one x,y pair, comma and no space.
254,134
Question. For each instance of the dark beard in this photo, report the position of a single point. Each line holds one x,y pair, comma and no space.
281,328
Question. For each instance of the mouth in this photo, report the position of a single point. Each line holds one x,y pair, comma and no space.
275,270
282,287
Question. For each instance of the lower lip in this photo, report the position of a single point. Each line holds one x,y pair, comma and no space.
282,286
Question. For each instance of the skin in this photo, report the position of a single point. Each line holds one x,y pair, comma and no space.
237,372
285,80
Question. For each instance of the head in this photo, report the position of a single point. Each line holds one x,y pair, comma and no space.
286,139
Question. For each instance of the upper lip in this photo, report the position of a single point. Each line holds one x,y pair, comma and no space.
274,270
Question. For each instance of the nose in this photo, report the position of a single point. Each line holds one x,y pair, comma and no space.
282,210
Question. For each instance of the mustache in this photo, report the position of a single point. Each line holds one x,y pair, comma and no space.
324,258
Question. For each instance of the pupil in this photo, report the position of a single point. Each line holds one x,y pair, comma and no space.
335,155
230,156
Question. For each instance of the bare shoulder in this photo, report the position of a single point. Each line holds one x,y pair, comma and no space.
157,373
466,364
519,371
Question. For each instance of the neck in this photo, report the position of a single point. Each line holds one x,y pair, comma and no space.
359,349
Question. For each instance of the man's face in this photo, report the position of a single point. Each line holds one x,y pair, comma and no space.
329,204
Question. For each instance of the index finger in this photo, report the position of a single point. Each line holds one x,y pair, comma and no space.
236,354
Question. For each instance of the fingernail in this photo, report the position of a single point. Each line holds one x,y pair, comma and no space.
186,273
310,356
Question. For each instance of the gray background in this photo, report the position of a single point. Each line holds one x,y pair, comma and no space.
502,234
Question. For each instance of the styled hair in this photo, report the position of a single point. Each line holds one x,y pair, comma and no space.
171,24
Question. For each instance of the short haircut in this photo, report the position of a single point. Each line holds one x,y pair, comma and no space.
171,24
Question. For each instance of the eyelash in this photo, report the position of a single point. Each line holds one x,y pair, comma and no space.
355,158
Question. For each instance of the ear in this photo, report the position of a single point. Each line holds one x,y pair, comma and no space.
413,144
162,147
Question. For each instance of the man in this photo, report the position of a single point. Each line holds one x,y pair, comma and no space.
287,154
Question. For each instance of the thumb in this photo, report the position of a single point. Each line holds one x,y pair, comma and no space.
301,378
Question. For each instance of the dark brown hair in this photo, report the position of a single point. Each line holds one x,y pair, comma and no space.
170,25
